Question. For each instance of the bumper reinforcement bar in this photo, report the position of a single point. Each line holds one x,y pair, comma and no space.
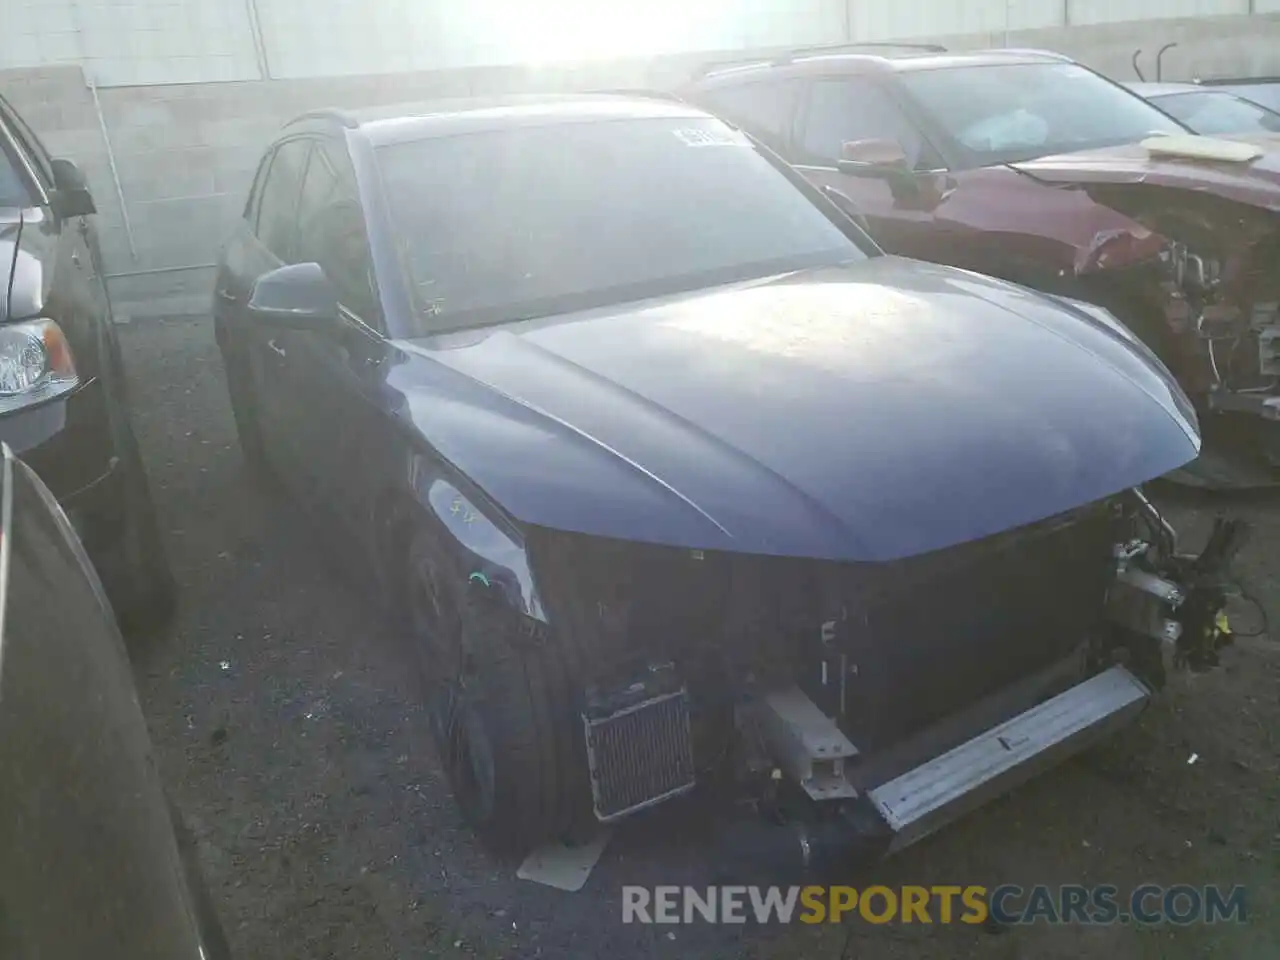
928,797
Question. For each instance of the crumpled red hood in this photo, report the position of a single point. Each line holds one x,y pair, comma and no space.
1256,182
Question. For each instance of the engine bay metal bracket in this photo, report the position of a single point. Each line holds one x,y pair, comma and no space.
1263,405
806,743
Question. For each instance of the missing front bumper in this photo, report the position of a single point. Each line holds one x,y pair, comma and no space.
926,798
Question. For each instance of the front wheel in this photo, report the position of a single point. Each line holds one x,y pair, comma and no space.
501,708
137,575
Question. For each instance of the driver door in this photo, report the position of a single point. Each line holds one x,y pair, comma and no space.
271,245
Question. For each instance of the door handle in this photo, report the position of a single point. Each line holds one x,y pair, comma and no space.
225,295
276,347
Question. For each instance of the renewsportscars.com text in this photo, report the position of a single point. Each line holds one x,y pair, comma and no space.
1008,904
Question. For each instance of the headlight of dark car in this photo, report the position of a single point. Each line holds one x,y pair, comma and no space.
35,364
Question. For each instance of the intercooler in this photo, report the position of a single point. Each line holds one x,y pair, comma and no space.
639,753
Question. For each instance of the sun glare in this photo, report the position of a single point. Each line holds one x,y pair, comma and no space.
555,30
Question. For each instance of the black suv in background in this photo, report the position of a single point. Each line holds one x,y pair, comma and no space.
63,406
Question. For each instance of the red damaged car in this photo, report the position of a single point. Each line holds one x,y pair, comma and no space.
1028,166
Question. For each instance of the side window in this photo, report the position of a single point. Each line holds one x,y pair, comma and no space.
278,204
842,110
765,109
27,142
254,202
331,229
13,185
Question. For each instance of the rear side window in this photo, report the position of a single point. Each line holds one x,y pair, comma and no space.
254,202
765,109
839,111
278,204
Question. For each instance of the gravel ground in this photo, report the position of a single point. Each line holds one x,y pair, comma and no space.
288,731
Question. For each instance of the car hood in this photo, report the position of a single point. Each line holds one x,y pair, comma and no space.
865,412
1255,182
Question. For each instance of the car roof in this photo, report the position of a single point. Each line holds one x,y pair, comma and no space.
1151,89
867,62
1237,81
403,122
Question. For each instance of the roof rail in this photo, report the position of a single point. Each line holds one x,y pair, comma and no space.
327,113
641,93
1220,81
885,48
868,47
1026,51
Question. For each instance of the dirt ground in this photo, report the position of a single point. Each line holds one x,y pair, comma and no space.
289,734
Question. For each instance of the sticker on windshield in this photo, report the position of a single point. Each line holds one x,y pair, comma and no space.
694,137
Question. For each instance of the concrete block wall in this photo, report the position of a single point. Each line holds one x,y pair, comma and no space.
186,153
58,104
132,41
1207,47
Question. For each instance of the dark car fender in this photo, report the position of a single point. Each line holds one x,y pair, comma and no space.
480,539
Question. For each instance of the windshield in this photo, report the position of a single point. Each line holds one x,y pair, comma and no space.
534,220
1214,111
1003,113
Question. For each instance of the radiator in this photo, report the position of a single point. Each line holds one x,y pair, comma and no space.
639,755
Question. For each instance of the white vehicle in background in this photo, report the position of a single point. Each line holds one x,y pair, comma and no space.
1210,110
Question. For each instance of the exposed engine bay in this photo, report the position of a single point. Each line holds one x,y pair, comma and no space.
862,706
1218,299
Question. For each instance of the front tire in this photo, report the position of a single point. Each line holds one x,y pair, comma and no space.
501,706
139,580
151,599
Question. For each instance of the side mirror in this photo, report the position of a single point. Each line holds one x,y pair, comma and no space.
873,158
298,296
883,160
71,196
